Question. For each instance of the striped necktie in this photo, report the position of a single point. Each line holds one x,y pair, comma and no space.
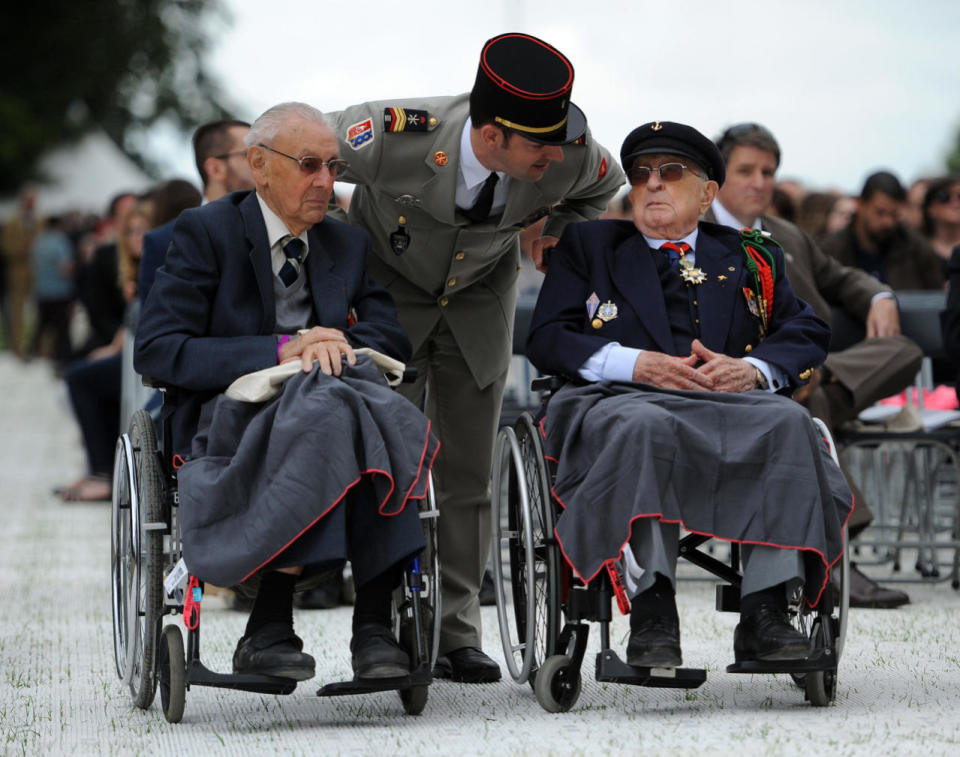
293,249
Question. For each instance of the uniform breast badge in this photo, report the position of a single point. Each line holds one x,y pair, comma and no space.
593,302
690,273
607,311
440,158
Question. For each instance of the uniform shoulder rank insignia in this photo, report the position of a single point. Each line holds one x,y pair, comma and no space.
397,120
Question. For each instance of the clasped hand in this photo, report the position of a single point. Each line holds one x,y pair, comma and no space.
703,370
322,345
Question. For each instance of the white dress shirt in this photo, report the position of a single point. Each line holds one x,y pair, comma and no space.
471,176
276,231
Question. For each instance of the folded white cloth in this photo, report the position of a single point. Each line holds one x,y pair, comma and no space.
260,386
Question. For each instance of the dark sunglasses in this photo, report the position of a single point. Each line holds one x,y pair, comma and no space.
944,196
668,172
311,164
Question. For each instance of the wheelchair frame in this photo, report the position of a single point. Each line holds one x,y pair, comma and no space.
528,564
148,577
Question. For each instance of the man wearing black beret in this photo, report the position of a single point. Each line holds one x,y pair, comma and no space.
445,185
676,334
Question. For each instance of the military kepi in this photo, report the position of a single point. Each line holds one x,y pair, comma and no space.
669,138
524,84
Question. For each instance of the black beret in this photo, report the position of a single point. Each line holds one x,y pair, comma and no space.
525,83
668,138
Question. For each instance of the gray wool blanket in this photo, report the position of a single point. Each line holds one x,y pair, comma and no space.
748,468
263,474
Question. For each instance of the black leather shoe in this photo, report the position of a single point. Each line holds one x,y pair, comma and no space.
467,665
376,654
865,592
488,594
273,650
767,635
654,643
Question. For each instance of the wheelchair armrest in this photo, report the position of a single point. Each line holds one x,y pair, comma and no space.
547,383
152,383
409,375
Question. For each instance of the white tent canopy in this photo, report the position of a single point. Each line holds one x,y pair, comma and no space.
83,176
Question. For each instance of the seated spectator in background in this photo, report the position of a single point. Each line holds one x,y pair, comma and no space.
814,211
841,215
950,318
686,347
782,206
941,216
220,155
52,258
257,279
913,209
94,384
881,244
851,379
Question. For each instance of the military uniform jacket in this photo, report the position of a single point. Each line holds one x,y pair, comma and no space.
612,260
451,268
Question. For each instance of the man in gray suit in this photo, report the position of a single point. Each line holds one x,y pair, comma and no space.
445,186
851,379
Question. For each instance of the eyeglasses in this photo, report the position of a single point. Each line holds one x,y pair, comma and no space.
943,196
668,172
228,155
312,164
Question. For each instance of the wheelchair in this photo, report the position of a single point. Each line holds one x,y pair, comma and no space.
534,586
150,581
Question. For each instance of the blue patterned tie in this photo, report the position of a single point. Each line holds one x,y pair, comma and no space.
675,251
293,249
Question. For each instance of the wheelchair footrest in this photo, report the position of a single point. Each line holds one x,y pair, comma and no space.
822,659
422,676
199,675
611,669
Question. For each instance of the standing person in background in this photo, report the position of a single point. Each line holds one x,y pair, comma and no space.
18,235
52,258
445,187
881,244
941,216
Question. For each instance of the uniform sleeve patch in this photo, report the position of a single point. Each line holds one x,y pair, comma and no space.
360,134
603,169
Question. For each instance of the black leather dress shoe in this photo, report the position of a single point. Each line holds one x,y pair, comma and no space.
865,592
654,643
273,650
467,665
767,635
376,653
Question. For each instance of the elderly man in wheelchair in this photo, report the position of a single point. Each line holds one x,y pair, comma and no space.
326,470
679,339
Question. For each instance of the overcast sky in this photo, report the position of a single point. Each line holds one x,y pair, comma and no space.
846,87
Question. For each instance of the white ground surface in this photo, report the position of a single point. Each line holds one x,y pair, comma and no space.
899,682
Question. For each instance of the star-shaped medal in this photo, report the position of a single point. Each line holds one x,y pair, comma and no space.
693,275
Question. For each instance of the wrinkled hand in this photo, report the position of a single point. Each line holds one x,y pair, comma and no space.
883,318
670,372
540,246
320,344
729,374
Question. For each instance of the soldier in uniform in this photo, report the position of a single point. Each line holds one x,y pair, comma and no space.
445,186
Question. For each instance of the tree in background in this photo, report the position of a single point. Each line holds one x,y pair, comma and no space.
953,159
121,65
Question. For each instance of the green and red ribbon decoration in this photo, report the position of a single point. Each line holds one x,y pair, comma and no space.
762,266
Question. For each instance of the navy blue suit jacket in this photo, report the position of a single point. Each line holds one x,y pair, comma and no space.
612,260
155,244
210,316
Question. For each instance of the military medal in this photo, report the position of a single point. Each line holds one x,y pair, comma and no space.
399,240
693,275
593,302
607,311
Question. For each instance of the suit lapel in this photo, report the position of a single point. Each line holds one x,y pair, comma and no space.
326,288
256,232
632,262
717,295
439,193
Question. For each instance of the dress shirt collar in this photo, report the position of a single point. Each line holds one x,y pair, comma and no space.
472,172
726,218
277,229
690,239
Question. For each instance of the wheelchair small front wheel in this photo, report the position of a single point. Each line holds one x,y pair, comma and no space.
414,699
557,684
172,670
821,686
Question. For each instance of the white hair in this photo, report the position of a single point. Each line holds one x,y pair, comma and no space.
266,127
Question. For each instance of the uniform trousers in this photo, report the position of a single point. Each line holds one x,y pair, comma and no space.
464,418
654,546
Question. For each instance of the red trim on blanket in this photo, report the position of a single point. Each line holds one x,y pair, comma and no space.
349,486
619,555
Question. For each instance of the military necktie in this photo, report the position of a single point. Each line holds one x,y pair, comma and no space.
675,251
481,208
293,249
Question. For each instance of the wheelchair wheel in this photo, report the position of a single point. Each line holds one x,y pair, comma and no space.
172,672
525,556
557,684
136,557
414,699
430,606
821,685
